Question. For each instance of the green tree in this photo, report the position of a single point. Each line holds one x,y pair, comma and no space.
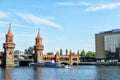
90,54
82,53
66,51
60,51
73,53
93,55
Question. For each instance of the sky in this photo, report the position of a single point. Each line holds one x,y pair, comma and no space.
64,24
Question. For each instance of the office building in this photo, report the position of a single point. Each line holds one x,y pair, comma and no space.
107,44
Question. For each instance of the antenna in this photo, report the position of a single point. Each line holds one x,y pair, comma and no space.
9,25
38,29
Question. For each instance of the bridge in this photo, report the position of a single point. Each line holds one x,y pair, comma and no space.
72,59
25,62
9,58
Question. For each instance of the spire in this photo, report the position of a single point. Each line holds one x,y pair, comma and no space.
38,32
57,53
78,52
70,51
9,31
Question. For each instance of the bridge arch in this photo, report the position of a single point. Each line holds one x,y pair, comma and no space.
65,63
75,63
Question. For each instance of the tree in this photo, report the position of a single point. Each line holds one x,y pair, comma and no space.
90,54
82,53
60,51
66,51
73,53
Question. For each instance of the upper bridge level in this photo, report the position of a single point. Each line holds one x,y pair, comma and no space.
70,59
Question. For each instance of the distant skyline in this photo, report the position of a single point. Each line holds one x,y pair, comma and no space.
64,24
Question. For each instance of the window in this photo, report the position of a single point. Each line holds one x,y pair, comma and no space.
10,40
10,53
74,59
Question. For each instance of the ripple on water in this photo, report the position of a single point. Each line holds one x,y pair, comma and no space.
76,73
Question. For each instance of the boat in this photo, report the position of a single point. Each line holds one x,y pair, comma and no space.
67,66
47,64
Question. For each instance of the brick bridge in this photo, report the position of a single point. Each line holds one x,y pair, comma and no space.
71,59
9,60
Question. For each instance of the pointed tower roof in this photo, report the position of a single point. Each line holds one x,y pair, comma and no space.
38,36
57,53
70,51
9,31
78,52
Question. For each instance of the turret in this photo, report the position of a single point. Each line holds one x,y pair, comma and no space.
38,57
38,42
8,55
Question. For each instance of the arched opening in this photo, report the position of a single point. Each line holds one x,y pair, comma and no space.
65,63
10,53
74,63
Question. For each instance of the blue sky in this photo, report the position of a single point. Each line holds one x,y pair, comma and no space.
64,24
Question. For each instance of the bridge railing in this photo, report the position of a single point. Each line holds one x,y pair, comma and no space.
47,60
24,60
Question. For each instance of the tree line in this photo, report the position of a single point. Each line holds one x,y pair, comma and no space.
87,54
82,54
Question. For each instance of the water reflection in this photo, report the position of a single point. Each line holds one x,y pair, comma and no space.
76,73
108,73
37,73
8,73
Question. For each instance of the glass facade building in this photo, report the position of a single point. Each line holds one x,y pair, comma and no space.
112,42
107,44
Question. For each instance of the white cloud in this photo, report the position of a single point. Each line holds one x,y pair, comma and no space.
104,7
3,14
21,26
25,17
51,17
6,23
30,18
25,35
73,3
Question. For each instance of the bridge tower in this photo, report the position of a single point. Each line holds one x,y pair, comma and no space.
70,57
57,57
8,55
38,56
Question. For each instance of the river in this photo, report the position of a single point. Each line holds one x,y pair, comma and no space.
77,73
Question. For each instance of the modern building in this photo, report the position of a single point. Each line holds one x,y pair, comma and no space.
107,44
18,52
30,50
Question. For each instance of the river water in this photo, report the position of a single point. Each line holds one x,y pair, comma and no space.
76,73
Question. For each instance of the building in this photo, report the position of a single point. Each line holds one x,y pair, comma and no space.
71,59
38,56
107,44
18,55
9,56
9,45
30,51
18,52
